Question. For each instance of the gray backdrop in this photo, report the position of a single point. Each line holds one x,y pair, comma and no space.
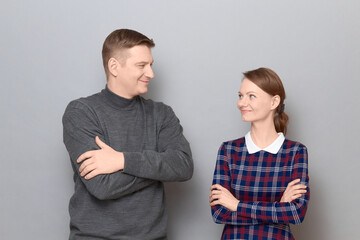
51,53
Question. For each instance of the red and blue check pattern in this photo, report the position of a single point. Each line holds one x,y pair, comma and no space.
258,180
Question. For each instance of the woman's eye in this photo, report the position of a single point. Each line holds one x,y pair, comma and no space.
252,96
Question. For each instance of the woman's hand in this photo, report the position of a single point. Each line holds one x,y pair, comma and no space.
221,196
293,191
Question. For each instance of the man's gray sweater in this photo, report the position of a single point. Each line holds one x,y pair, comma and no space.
128,204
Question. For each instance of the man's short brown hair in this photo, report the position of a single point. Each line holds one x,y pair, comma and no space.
122,39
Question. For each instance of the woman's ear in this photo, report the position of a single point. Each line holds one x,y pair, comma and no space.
275,101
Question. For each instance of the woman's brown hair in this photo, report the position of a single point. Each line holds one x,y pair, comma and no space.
269,81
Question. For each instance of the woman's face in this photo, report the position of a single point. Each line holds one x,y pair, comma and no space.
255,104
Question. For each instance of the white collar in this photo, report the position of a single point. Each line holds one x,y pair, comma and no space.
272,148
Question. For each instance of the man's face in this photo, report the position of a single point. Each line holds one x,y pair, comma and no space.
135,71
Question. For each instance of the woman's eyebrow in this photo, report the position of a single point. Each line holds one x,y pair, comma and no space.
239,92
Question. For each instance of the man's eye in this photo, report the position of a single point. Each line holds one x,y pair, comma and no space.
240,96
252,96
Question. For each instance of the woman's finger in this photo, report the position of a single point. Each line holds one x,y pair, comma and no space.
215,193
296,196
299,192
293,182
213,203
216,186
212,198
299,186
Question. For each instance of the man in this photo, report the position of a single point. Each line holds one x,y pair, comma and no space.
122,148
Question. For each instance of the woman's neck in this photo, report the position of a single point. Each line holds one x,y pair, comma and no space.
263,134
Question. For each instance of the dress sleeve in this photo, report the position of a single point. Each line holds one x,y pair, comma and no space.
80,127
277,212
173,160
222,176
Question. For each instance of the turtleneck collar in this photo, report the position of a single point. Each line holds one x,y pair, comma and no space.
117,101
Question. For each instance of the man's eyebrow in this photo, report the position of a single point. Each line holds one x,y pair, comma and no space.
145,62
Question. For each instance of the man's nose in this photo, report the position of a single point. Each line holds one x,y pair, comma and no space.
149,72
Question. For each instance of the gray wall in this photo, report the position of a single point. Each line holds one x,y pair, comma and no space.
50,54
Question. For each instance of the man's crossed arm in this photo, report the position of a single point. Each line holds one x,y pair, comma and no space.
103,161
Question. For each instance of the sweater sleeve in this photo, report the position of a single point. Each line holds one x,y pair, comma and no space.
277,212
80,127
173,160
222,176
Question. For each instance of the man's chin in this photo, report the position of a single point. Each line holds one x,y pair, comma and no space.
143,91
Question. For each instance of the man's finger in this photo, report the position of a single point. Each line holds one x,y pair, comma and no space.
84,156
91,174
100,143
83,165
87,168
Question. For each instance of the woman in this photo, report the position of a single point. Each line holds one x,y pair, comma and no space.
261,180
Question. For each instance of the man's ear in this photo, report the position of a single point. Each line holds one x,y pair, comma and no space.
113,66
275,101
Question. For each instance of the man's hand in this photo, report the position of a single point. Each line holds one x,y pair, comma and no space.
221,196
103,161
293,191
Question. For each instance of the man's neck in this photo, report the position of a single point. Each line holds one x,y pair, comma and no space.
113,87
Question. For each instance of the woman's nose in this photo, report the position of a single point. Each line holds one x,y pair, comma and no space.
242,102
